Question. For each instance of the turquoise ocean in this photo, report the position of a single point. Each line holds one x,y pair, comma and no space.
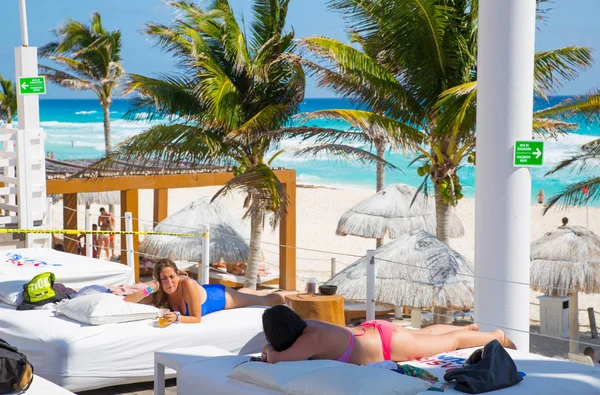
74,130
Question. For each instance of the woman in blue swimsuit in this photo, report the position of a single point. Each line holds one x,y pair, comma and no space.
189,301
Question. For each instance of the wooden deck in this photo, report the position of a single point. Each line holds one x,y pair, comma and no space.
133,389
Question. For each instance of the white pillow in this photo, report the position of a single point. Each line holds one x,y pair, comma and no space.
358,380
104,308
11,292
327,377
276,376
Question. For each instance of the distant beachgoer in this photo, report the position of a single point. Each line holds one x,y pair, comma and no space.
106,221
51,155
290,338
540,197
565,221
589,351
72,143
82,246
189,301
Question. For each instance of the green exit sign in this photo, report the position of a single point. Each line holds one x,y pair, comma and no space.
529,153
32,85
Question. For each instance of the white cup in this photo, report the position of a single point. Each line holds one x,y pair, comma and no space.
311,285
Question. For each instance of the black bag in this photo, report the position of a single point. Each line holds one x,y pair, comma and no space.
487,369
16,373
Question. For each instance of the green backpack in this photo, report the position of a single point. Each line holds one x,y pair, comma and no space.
39,288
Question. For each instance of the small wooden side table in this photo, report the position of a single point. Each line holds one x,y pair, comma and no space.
329,308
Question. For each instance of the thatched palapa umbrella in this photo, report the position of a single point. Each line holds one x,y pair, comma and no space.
416,270
389,213
563,262
228,238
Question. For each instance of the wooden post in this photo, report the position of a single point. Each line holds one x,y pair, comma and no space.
130,203
70,221
161,203
593,327
573,323
287,237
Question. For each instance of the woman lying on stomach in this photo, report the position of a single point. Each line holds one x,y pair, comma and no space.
290,338
189,301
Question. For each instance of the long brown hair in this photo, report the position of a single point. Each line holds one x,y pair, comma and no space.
161,299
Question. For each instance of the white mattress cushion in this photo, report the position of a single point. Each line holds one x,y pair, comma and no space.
11,292
327,377
104,308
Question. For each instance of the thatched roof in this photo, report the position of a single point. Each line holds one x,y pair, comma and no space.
415,270
60,169
389,212
227,235
567,258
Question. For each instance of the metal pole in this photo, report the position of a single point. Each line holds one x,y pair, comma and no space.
371,285
24,34
205,255
333,268
129,242
89,238
502,209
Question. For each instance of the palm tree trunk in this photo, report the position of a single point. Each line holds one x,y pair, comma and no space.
442,216
256,230
380,147
107,145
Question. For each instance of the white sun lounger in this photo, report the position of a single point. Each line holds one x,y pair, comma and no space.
81,357
41,386
543,375
74,271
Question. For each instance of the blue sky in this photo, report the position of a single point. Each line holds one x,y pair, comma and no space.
571,22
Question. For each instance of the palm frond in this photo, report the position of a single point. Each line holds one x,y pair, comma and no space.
265,193
573,194
354,74
269,20
553,68
65,79
377,127
587,157
344,151
167,146
547,127
162,96
587,106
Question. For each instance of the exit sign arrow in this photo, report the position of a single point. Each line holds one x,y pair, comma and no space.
528,153
32,85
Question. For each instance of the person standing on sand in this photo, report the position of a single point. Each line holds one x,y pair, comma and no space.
565,221
540,197
106,221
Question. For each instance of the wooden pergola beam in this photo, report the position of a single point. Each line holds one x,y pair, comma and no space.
70,221
161,205
130,204
129,185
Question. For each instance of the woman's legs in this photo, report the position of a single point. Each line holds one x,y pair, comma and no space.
248,297
407,346
440,329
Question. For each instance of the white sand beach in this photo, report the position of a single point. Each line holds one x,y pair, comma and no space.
318,212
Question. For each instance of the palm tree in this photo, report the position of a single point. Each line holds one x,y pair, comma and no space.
8,100
588,157
417,70
229,104
91,56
